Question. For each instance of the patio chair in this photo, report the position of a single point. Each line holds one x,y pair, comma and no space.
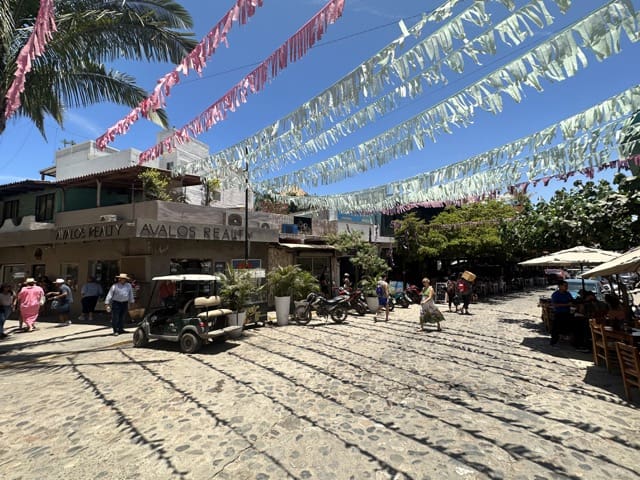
629,359
603,349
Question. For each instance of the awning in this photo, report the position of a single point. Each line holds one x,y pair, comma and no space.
305,246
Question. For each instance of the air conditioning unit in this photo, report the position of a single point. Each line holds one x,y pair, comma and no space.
265,226
109,218
235,220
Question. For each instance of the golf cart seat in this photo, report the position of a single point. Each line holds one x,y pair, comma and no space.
206,307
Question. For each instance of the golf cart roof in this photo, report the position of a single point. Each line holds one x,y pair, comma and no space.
188,277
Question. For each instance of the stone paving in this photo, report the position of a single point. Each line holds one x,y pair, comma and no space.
485,398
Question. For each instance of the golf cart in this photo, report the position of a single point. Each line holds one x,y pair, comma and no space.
184,308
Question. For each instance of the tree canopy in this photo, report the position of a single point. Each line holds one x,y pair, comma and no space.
469,231
590,214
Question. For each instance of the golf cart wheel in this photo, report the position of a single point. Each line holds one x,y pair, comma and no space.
339,314
140,338
302,315
189,343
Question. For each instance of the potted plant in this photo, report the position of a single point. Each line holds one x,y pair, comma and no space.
368,286
287,281
237,286
253,314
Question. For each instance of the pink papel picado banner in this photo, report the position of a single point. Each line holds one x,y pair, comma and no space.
42,33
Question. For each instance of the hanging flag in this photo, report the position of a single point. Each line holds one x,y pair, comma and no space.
195,60
290,51
42,33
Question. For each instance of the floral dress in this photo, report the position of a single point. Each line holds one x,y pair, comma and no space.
429,312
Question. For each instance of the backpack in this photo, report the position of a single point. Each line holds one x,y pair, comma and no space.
462,286
379,291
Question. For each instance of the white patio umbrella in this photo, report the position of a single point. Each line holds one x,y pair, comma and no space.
576,256
626,262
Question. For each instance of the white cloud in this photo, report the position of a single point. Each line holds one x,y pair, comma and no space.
83,122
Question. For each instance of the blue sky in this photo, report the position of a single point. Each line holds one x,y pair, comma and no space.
365,28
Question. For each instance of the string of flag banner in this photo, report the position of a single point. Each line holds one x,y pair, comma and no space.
290,51
272,148
589,140
367,80
43,30
513,30
556,59
195,60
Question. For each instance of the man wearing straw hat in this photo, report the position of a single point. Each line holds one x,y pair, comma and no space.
61,300
117,302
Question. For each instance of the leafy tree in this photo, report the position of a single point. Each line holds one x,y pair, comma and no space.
409,233
469,231
71,72
590,214
364,255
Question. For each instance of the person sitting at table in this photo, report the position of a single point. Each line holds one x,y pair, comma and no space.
616,313
588,306
564,320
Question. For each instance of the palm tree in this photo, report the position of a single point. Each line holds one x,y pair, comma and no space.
71,72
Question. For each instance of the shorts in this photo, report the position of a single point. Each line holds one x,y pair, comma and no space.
60,307
382,301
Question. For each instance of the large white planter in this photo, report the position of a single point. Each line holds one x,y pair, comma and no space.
282,310
237,319
372,303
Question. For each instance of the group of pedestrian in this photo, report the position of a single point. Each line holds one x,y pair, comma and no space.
31,298
458,291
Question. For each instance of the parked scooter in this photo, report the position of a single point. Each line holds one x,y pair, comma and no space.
355,300
335,307
414,294
402,299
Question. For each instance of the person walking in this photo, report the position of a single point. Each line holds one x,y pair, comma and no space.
90,293
465,290
382,291
7,297
61,300
452,298
429,312
30,299
118,299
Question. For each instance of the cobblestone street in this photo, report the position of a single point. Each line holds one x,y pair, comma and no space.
485,398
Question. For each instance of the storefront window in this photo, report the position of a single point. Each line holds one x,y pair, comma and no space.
14,274
190,265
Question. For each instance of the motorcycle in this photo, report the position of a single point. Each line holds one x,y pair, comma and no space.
402,299
355,300
413,292
335,307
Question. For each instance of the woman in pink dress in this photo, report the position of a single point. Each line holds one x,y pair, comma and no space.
29,300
